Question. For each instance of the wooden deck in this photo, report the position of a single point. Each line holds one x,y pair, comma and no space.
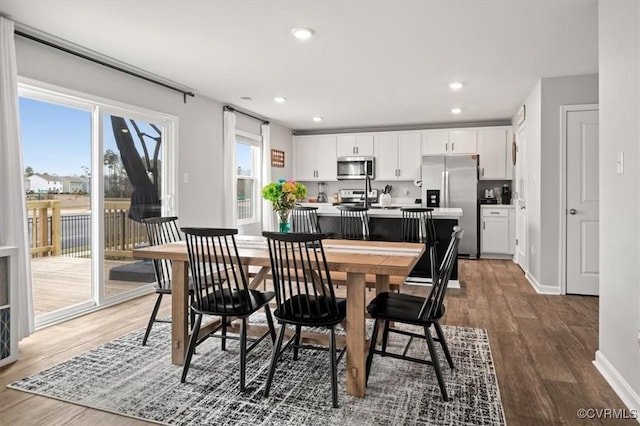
60,281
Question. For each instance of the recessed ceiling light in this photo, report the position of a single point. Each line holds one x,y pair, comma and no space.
455,85
302,33
317,119
280,99
246,98
456,110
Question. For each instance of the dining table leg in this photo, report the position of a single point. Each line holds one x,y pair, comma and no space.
356,337
179,309
382,286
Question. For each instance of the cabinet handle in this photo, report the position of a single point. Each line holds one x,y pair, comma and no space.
446,146
483,171
357,150
398,172
494,212
483,227
452,148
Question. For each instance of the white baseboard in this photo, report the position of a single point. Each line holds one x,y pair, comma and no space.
629,397
541,289
427,282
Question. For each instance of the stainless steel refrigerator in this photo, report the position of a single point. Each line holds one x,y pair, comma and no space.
456,177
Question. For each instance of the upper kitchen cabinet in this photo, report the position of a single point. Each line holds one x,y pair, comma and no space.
494,147
397,156
355,145
315,158
443,142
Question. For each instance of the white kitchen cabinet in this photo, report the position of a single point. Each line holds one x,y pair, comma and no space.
315,158
497,231
355,145
494,147
398,156
451,141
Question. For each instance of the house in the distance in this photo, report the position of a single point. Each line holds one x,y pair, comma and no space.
42,182
74,184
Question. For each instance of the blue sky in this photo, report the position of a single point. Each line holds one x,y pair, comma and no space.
56,139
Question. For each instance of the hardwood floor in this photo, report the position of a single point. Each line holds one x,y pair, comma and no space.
542,347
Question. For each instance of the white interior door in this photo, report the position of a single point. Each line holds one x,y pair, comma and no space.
582,202
520,200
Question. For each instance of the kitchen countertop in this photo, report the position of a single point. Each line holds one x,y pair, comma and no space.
497,206
328,209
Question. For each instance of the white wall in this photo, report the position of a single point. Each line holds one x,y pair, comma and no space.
199,142
532,150
544,145
619,66
555,93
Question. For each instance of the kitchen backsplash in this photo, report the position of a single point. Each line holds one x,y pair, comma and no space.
404,190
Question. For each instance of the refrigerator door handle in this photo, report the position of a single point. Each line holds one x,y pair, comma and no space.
443,187
446,188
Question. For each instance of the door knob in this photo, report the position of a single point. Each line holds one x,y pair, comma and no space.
572,211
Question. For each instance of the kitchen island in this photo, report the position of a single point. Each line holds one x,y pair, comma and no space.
385,225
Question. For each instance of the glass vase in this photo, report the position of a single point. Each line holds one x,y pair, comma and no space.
283,221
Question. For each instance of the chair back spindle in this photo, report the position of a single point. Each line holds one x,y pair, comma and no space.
433,302
220,284
162,230
304,291
354,223
305,220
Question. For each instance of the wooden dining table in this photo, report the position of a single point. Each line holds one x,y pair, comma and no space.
355,258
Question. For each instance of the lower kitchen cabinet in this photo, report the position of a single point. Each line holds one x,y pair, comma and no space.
497,231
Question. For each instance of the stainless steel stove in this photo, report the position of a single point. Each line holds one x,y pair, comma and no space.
354,196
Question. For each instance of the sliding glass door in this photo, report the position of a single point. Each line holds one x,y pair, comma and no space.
93,171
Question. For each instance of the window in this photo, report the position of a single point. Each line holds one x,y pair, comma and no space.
248,179
86,193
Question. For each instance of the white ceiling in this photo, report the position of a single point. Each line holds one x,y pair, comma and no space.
370,63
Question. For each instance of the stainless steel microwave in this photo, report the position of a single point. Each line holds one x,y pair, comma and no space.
356,167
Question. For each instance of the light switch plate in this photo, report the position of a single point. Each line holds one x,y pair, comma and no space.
620,163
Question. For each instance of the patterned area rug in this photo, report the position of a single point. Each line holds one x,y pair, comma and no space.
126,378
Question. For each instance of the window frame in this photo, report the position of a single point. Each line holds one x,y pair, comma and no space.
99,107
255,141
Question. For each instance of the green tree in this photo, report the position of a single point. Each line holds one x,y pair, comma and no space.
29,171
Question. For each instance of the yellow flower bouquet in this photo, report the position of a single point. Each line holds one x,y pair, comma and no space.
284,195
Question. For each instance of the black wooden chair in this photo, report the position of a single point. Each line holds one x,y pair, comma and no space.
354,223
221,289
416,310
162,230
418,227
305,220
304,296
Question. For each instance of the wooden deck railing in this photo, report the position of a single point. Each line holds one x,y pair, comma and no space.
121,234
45,242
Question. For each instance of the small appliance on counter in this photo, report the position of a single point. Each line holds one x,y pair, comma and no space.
322,192
488,196
506,194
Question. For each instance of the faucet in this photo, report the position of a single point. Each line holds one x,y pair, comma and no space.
367,188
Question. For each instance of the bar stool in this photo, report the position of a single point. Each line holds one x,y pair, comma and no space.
418,227
354,223
305,220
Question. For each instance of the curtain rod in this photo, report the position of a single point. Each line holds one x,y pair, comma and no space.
232,109
103,63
